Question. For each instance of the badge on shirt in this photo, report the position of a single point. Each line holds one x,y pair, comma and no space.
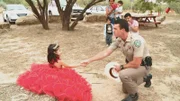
137,43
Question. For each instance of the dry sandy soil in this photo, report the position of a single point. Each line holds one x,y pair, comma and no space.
21,46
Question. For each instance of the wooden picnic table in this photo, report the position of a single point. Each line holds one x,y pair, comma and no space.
142,19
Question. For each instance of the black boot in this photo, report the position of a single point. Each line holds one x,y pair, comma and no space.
131,97
148,81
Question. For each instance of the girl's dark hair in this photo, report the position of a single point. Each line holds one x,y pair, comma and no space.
52,57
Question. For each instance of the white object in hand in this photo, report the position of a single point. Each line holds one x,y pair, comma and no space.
110,71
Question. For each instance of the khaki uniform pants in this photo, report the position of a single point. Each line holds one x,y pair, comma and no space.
131,78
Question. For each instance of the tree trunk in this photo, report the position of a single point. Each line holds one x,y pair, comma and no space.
65,23
66,18
44,24
41,13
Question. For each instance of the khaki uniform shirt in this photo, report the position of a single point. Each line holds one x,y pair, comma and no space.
134,46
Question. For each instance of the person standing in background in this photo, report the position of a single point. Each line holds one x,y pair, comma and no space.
110,10
119,10
108,31
133,24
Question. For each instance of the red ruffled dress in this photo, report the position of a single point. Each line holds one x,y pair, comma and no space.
63,83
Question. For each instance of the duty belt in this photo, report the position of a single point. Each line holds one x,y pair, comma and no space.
143,63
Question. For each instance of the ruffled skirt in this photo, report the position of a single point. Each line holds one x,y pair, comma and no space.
64,84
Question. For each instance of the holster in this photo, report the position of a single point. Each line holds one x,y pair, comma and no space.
147,62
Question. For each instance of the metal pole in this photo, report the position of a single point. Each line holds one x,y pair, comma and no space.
131,6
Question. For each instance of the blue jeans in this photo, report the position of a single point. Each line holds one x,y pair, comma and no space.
112,20
108,39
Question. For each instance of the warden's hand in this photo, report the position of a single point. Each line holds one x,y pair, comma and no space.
117,68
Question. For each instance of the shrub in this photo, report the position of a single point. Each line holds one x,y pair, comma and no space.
2,4
175,6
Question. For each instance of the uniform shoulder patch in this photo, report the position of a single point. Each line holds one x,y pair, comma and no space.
137,43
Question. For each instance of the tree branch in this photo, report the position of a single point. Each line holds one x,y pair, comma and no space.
37,15
41,15
93,2
39,4
58,7
98,1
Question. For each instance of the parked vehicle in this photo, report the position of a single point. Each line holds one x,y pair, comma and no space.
97,9
52,8
76,10
13,11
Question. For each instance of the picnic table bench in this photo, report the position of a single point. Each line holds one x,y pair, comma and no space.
143,19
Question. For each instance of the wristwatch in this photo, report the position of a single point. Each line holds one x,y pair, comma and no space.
122,67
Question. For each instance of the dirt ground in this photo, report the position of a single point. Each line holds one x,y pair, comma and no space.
21,46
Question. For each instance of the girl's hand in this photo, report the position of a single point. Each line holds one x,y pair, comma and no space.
84,63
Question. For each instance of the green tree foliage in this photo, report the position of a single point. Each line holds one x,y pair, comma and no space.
168,1
2,4
141,5
83,3
175,6
15,2
126,4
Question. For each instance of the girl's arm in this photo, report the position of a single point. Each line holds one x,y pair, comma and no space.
64,65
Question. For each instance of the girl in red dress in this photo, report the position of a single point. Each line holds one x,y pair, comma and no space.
56,79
